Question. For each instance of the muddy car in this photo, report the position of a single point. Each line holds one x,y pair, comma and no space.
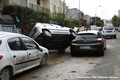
51,36
19,53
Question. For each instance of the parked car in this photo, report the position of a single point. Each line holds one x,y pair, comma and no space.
19,53
7,24
99,28
51,36
118,29
88,42
109,32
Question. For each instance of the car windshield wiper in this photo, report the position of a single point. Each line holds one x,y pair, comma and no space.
83,37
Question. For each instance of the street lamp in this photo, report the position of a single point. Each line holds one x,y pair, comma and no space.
96,13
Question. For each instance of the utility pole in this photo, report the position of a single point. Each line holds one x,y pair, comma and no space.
27,3
63,12
79,14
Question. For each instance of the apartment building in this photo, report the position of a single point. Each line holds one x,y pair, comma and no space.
54,6
76,14
87,18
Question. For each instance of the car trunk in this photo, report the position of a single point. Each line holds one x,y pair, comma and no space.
86,41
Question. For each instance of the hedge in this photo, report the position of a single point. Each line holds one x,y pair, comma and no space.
27,17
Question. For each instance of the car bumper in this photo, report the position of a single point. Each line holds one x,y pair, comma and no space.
109,35
91,48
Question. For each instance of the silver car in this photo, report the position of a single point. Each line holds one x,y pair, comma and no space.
109,32
51,36
19,53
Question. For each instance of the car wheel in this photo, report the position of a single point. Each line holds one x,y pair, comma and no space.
105,48
102,53
73,54
114,37
44,60
47,33
40,40
5,74
61,50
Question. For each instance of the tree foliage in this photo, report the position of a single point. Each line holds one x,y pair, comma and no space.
61,19
99,22
0,1
27,17
114,20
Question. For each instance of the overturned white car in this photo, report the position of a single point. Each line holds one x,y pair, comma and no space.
51,36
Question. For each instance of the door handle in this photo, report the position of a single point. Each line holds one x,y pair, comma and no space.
14,56
29,53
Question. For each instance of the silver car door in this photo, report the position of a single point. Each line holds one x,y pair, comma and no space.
18,54
32,51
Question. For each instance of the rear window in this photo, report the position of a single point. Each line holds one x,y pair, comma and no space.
109,28
86,36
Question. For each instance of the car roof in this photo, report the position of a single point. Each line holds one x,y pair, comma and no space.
5,34
90,31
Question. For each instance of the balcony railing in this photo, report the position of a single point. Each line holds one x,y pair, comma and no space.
38,7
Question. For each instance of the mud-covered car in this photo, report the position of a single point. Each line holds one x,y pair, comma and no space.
19,53
51,36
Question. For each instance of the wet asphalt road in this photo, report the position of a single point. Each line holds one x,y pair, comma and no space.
83,67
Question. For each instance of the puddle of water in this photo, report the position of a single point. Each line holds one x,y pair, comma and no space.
53,60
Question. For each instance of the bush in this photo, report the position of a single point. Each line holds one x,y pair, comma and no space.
27,16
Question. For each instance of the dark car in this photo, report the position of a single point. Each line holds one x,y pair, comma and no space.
88,42
51,36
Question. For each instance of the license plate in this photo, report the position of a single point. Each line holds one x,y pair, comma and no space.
108,31
85,47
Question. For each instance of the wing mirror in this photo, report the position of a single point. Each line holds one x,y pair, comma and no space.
40,49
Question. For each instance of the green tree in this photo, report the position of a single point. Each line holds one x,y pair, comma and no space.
99,22
118,21
114,20
57,18
0,1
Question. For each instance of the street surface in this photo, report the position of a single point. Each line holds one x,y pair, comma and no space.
83,67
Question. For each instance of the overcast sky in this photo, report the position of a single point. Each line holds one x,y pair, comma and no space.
108,8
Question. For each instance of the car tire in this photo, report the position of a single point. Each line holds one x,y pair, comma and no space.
73,54
5,74
115,37
102,53
61,51
47,33
105,48
43,60
40,40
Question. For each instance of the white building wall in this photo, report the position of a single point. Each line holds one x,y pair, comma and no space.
118,13
18,2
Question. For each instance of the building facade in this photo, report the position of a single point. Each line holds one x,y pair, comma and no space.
53,6
87,18
75,14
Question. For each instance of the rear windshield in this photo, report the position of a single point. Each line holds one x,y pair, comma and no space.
109,28
86,36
